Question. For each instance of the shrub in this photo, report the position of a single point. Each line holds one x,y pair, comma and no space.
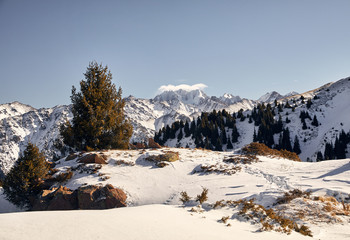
292,194
203,196
160,160
25,177
261,149
184,197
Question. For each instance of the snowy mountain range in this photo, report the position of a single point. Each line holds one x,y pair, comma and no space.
20,123
329,104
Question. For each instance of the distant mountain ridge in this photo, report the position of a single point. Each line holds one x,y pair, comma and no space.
329,104
20,123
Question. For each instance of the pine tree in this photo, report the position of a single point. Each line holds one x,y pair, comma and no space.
187,130
98,113
319,156
180,135
24,179
296,147
229,143
286,144
309,103
314,121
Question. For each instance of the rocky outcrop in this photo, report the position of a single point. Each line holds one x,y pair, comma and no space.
95,197
92,158
87,197
61,198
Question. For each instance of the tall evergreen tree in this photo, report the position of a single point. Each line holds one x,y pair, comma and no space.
98,113
314,121
229,143
180,135
296,147
23,180
187,129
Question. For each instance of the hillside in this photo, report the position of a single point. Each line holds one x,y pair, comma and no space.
154,210
21,123
328,104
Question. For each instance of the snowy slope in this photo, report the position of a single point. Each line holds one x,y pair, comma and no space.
14,109
154,210
37,126
330,104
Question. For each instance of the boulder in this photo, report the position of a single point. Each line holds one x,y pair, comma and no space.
61,198
92,158
96,197
87,197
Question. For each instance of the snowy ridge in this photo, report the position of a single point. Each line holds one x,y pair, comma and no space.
330,104
14,109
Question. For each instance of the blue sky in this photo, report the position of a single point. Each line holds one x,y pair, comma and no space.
245,47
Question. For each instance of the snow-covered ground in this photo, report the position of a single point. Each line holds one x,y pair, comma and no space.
155,212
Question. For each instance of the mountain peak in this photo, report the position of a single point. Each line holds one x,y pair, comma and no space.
270,97
230,99
13,109
187,96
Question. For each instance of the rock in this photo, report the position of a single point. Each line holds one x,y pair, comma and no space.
153,144
87,197
96,197
61,198
92,158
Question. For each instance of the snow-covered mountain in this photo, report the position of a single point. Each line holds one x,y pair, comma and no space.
330,105
20,123
39,126
150,115
272,96
14,109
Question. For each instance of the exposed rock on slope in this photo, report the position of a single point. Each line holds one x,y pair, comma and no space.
87,197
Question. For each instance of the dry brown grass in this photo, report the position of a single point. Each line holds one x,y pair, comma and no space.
241,159
219,168
162,159
268,218
125,163
184,197
201,198
292,194
261,149
219,204
224,219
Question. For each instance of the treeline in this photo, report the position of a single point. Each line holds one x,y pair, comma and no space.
217,130
264,118
210,130
336,150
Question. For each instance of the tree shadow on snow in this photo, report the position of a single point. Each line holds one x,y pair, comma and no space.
344,168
